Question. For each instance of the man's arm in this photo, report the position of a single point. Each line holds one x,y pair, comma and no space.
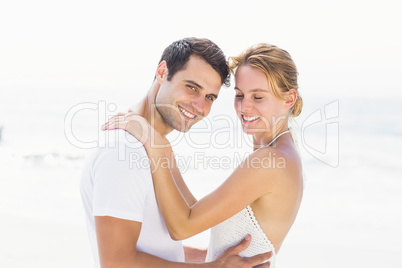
117,240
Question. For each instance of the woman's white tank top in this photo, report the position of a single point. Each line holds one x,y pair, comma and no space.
230,232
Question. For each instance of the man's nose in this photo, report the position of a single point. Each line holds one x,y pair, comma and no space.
199,105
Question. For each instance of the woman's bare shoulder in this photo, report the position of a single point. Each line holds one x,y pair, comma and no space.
277,162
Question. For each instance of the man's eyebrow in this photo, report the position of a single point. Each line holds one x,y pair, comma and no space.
193,83
214,95
200,87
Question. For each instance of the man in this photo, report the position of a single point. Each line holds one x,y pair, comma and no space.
125,226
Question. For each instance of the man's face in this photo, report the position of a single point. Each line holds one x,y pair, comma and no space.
188,96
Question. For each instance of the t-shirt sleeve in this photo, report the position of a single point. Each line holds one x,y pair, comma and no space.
121,183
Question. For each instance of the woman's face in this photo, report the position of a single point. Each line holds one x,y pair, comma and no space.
257,107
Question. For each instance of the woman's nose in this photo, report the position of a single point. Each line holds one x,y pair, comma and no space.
246,106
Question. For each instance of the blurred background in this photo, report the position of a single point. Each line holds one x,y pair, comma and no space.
66,66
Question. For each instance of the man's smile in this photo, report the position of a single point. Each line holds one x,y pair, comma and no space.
186,113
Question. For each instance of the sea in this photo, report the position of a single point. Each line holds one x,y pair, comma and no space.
351,214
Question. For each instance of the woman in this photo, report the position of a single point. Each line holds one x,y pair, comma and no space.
262,196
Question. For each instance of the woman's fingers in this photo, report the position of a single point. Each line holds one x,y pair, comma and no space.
117,115
111,123
108,124
131,122
118,121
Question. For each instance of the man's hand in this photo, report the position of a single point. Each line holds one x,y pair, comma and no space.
231,259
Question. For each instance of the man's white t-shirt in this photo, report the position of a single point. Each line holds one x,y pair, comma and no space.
117,182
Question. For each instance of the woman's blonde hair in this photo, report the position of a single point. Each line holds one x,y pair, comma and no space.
278,66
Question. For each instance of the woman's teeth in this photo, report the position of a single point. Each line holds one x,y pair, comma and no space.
248,119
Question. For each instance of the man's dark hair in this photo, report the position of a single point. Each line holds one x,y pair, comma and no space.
178,53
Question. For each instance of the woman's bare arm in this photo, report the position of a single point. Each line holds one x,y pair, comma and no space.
246,184
183,219
178,178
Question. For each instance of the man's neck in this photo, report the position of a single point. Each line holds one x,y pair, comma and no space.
147,109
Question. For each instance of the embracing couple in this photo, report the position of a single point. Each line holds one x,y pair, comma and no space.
137,215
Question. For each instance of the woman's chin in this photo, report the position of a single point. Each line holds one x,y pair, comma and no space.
253,131
249,131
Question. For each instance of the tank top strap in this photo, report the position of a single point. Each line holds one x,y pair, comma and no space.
284,132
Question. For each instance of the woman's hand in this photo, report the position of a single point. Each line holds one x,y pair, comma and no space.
137,126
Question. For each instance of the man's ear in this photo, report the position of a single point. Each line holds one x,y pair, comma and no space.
161,72
290,98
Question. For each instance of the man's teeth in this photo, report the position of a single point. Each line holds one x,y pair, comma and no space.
186,113
250,118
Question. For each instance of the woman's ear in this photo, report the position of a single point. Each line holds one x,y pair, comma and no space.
161,72
290,98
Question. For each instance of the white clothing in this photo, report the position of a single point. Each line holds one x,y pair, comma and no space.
117,182
230,232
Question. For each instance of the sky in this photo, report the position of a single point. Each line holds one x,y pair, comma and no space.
341,48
